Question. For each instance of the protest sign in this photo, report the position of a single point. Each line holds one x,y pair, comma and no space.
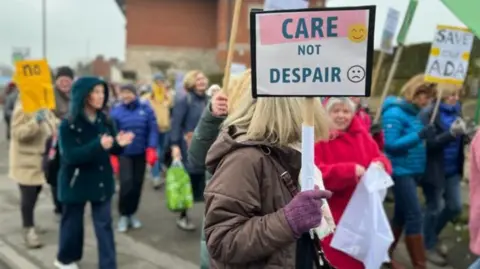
285,4
34,81
449,55
389,30
313,52
407,21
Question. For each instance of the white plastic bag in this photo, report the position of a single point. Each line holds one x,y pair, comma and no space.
364,231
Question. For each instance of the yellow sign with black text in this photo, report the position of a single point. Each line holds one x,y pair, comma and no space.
34,81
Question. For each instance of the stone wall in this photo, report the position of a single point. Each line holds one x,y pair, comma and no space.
145,59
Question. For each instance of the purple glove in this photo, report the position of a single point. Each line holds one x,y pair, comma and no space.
304,211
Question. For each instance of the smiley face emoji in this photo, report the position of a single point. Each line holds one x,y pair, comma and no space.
356,73
357,33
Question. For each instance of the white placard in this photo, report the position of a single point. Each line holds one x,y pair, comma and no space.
285,4
322,52
391,24
449,55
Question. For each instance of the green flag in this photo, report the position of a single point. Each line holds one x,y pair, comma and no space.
407,21
467,12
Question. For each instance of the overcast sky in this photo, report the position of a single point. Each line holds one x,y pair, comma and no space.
82,29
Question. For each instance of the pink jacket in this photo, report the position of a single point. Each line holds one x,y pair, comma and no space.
474,224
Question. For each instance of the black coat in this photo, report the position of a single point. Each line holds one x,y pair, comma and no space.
434,171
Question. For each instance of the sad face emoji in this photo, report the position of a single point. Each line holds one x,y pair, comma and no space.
357,33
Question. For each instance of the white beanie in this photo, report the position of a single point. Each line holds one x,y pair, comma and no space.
329,103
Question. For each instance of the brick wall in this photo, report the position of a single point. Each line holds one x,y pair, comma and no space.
101,67
180,34
185,23
185,34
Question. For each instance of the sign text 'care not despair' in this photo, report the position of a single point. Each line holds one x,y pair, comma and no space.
315,52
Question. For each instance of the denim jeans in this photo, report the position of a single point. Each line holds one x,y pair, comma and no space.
441,206
70,247
162,144
407,211
475,264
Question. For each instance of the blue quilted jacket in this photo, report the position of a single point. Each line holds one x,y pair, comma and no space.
405,149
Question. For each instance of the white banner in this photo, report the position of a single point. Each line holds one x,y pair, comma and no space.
391,25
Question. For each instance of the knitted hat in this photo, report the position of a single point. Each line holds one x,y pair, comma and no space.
65,71
330,102
129,87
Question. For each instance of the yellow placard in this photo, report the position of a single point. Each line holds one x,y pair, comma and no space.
34,82
158,92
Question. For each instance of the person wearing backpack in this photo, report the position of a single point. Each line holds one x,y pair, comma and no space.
187,110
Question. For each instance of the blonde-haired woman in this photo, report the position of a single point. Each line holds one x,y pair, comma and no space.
445,157
29,135
187,110
255,217
405,136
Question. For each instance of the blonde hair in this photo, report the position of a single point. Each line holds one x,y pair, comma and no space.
237,87
275,120
413,86
446,90
190,79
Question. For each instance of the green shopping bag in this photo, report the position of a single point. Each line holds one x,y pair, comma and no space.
178,188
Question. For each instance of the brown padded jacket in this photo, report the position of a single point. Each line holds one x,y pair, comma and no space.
245,225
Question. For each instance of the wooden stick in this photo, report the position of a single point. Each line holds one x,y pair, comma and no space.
376,72
231,46
308,116
391,73
437,104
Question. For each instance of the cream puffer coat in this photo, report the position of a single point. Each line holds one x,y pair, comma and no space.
27,146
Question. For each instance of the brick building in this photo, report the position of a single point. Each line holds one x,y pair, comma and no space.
184,34
109,69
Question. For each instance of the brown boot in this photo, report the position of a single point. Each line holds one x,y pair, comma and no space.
416,251
393,264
